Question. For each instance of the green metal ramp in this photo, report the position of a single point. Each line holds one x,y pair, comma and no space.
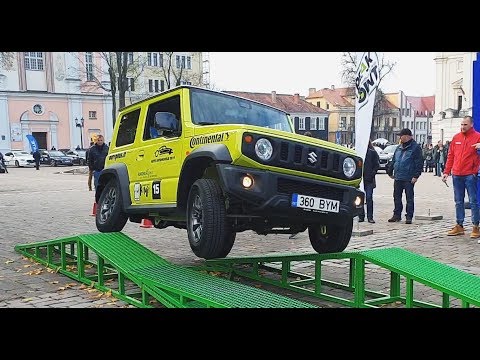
116,263
275,269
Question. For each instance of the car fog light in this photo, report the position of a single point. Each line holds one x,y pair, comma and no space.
247,182
358,201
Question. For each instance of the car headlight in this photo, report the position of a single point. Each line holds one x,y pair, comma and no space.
264,149
349,167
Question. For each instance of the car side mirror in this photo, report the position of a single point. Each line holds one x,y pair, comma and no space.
166,123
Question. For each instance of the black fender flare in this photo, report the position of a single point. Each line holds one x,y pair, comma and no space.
194,166
119,172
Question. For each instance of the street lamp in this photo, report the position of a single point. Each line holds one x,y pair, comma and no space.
80,124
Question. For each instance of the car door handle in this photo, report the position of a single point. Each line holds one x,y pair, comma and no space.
140,155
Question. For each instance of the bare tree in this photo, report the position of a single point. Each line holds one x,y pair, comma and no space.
176,72
119,66
6,60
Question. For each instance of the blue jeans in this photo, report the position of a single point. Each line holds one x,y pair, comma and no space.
398,187
96,175
368,187
460,183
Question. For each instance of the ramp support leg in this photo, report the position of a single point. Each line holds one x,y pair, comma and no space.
409,293
445,300
80,259
121,283
359,282
100,268
394,284
318,276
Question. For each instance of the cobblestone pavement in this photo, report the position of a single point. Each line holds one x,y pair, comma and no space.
49,203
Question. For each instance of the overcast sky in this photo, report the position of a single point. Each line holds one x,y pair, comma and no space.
295,72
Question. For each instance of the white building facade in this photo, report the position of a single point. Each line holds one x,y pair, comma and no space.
453,92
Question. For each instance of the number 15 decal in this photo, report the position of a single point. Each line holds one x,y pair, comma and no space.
156,190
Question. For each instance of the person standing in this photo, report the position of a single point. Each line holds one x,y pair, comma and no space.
96,158
463,163
405,169
90,172
370,168
2,163
36,157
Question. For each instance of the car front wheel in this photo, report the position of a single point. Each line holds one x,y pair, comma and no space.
330,238
209,233
110,216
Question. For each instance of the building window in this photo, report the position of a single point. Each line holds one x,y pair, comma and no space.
352,121
183,62
150,85
130,58
127,128
328,106
160,58
177,58
189,62
155,59
156,85
149,59
131,84
301,123
183,82
313,122
162,85
318,103
459,105
343,123
394,122
321,123
89,65
403,111
92,114
34,61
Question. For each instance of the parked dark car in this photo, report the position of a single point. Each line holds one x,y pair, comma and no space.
55,158
78,157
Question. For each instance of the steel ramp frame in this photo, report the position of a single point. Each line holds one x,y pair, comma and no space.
462,286
144,277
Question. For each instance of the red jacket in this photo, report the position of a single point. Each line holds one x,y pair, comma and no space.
462,158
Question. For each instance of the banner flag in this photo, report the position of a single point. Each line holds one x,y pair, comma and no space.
33,143
366,82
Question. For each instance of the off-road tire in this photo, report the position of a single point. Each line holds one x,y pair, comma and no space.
335,239
214,237
110,216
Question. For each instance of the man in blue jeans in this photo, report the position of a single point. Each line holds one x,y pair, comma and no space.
405,168
463,163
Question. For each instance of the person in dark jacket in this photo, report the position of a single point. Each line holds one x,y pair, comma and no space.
370,168
90,172
96,158
2,163
36,157
405,169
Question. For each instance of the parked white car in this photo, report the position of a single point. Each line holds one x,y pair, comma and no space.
18,158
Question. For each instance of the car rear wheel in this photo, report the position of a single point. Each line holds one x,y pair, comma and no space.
110,216
17,164
330,238
209,233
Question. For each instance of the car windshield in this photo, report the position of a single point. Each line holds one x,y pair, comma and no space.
378,150
81,152
390,149
210,108
21,153
56,153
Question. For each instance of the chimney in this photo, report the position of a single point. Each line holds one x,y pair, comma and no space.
274,96
296,98
332,87
311,91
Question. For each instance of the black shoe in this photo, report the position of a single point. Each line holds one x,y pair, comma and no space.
394,219
361,219
371,221
408,221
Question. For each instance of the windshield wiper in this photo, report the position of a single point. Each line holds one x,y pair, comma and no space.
207,123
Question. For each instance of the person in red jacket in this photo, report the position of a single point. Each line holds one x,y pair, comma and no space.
463,163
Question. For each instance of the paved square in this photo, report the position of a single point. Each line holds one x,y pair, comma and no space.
47,204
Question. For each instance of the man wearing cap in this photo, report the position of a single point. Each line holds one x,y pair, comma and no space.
405,169
463,163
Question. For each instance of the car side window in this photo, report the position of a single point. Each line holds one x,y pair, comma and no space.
170,105
127,128
8,154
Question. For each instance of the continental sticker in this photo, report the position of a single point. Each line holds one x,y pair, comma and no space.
163,153
208,139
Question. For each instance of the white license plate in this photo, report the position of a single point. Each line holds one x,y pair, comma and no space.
315,203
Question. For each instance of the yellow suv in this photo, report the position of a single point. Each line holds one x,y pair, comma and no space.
217,164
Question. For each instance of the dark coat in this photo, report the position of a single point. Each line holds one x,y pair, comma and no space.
36,155
407,162
96,157
371,166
